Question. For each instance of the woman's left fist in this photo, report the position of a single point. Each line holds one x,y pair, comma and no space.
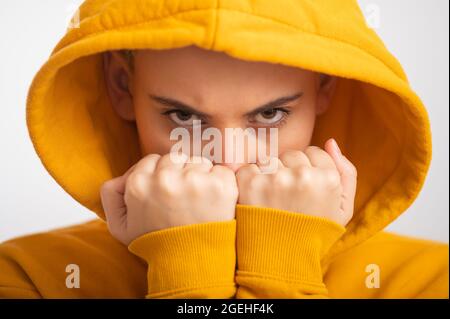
314,182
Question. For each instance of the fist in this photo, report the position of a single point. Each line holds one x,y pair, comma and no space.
168,191
314,182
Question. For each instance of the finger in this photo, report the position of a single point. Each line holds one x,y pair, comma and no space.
198,163
111,193
117,185
270,165
246,171
319,158
348,174
172,160
113,203
223,172
295,159
116,218
147,164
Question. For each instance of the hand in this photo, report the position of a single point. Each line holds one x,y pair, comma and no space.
159,193
314,182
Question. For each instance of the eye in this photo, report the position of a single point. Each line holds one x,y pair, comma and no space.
270,116
182,118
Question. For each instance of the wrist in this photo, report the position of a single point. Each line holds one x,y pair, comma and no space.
189,258
282,245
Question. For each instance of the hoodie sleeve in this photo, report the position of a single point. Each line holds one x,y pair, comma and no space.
14,283
279,253
192,261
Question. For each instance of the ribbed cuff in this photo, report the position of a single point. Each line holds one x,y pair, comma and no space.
280,245
198,260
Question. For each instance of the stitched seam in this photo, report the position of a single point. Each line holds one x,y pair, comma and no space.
215,25
19,288
176,292
236,11
276,278
61,46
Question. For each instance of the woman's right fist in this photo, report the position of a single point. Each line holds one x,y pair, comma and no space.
166,191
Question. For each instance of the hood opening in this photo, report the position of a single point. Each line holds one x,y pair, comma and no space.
381,125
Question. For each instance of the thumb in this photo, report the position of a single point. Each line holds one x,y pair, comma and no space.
348,174
112,197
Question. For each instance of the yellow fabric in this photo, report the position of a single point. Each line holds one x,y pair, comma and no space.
377,119
279,253
203,255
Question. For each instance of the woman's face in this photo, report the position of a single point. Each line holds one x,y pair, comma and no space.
171,88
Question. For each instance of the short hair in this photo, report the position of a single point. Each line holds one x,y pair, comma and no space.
129,57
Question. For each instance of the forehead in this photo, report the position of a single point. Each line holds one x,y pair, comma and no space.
202,77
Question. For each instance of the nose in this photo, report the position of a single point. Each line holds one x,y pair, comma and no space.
238,147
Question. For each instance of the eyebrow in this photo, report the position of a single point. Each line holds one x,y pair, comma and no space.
184,107
276,103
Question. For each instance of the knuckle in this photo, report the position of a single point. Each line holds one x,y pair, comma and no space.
151,158
163,174
244,173
167,160
313,149
291,154
282,179
257,182
147,162
190,175
135,184
200,160
166,156
228,174
318,153
194,180
304,176
216,184
292,157
241,181
333,179
164,180
154,156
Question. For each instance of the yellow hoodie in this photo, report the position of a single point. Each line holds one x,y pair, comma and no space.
380,123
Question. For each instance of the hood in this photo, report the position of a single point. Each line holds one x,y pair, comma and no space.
377,119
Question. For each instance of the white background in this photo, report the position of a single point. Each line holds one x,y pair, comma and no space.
415,31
